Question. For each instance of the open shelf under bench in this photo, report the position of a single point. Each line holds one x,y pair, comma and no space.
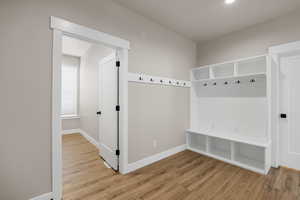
245,152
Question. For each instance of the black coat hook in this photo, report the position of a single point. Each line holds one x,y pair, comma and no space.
238,82
252,80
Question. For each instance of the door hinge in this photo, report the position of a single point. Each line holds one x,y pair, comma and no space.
117,107
283,115
117,152
118,63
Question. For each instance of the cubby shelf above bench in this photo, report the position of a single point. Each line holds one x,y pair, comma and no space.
238,68
235,137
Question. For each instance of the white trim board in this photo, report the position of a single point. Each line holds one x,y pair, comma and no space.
46,196
157,157
107,58
93,35
60,28
89,138
149,79
70,131
83,133
275,53
284,48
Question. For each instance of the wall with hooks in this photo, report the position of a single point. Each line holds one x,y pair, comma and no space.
149,79
239,86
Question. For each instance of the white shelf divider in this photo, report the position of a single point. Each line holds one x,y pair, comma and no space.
232,146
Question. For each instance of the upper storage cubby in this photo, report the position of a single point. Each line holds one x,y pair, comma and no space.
252,66
201,73
223,70
241,78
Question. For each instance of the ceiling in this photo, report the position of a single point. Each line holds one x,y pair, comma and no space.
203,20
74,47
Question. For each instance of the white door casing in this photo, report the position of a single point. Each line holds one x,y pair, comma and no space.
289,128
62,27
108,120
277,53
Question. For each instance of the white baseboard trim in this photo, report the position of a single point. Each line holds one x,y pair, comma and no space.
152,159
46,196
70,131
83,133
89,138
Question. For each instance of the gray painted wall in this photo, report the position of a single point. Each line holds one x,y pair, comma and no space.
156,113
25,82
251,41
89,88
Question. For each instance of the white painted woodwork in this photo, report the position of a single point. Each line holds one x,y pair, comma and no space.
108,120
277,54
56,116
289,104
87,33
66,28
230,118
149,79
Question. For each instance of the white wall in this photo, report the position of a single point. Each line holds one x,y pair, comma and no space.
25,82
89,88
68,124
251,41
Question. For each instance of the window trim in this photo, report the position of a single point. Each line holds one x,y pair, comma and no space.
77,113
70,116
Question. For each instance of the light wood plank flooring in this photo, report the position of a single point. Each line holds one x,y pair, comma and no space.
186,175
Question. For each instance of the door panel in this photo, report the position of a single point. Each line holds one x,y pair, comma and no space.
108,121
290,105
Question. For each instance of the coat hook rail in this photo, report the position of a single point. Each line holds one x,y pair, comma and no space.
148,79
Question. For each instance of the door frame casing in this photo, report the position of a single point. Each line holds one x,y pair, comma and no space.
63,27
276,52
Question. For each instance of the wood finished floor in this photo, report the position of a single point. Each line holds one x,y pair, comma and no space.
184,176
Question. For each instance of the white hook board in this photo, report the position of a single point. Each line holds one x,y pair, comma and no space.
148,79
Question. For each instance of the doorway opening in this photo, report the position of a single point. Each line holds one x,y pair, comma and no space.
89,98
89,85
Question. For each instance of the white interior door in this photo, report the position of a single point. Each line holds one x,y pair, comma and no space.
289,126
108,120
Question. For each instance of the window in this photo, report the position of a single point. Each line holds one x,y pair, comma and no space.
70,86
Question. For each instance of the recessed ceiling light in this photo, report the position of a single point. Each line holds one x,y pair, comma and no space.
229,1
